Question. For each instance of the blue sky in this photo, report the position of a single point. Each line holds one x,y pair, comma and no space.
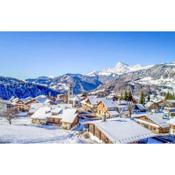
33,54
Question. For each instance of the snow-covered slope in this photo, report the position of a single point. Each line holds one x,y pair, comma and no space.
13,87
78,82
160,77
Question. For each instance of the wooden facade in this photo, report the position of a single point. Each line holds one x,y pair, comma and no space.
67,125
21,106
99,134
172,129
88,106
102,110
56,121
92,129
149,124
39,121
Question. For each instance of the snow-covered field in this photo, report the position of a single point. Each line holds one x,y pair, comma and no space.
23,132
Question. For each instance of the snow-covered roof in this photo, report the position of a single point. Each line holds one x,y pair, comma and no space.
65,105
42,113
122,102
123,130
94,100
172,121
108,103
56,110
140,106
171,101
25,100
75,98
41,98
150,103
34,107
157,118
139,114
14,101
113,113
4,101
68,115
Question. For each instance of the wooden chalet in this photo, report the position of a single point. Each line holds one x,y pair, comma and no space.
139,108
154,122
107,108
41,115
117,131
90,104
66,118
62,98
19,105
153,106
172,126
69,118
169,107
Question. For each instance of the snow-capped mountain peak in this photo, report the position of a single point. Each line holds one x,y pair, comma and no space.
92,73
119,68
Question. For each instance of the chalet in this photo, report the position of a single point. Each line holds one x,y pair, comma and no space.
41,115
55,117
169,108
28,101
170,103
62,98
152,106
90,104
139,108
107,108
122,106
118,131
19,104
66,118
69,118
41,99
172,126
156,122
75,101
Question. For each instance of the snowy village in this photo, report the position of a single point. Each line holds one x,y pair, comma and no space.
88,119
87,88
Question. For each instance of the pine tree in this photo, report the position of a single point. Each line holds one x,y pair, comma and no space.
142,98
121,96
149,98
167,95
126,95
130,96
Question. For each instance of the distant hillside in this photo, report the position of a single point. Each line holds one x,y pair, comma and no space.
79,83
13,87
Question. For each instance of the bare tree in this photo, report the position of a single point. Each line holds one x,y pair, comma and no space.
130,109
10,114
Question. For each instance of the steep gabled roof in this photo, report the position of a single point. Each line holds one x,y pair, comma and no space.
108,103
68,115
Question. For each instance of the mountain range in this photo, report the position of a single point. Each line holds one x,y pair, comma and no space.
120,68
153,78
